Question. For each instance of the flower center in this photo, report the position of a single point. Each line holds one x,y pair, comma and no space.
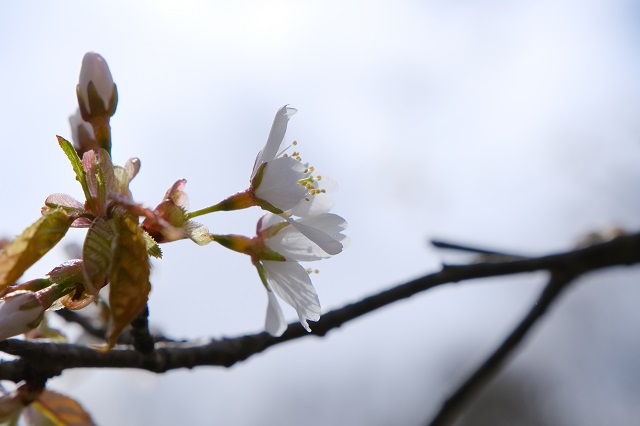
310,181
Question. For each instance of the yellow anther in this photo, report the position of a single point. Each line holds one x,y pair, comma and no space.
294,143
318,177
298,158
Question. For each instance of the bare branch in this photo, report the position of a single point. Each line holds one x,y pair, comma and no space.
455,404
43,359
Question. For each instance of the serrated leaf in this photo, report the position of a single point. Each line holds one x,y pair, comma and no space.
52,408
198,233
100,178
153,249
76,163
96,254
32,244
130,271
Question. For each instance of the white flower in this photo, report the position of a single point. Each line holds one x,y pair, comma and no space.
20,312
281,181
306,239
95,70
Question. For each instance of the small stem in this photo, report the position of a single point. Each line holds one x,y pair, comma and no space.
461,247
102,131
82,321
241,200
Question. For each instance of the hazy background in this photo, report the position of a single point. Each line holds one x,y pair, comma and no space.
511,125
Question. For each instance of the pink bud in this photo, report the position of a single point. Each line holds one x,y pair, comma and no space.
95,70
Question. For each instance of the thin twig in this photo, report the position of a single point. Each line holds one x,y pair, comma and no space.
455,404
82,321
486,253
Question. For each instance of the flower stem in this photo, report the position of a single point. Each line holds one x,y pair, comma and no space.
241,200
102,131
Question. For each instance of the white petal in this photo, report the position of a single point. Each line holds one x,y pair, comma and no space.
308,239
329,223
292,284
276,135
275,324
326,235
269,220
279,186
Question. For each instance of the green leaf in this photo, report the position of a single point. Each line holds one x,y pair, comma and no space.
130,271
32,244
153,249
52,408
76,163
96,254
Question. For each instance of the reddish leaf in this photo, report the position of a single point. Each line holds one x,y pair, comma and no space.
52,408
100,178
31,245
130,271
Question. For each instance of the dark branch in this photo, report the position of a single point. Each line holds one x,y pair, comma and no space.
142,339
455,404
50,359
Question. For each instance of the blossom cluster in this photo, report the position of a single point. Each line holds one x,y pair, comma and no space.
297,226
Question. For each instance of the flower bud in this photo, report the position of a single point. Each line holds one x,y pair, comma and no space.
82,134
97,94
20,312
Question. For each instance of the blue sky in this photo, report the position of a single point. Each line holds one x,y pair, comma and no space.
506,124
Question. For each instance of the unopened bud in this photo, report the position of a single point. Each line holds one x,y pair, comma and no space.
82,134
97,94
20,312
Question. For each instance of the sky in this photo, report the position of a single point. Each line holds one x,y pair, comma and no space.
510,125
